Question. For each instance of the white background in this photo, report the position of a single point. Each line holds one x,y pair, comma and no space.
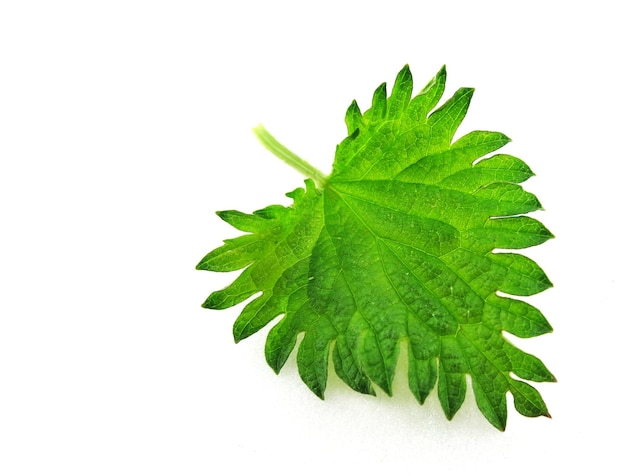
125,124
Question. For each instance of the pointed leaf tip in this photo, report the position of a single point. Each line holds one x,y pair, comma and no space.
442,73
379,103
405,74
401,93
353,117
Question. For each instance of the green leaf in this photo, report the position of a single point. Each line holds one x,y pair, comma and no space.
407,240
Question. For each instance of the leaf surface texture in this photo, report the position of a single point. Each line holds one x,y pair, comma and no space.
400,246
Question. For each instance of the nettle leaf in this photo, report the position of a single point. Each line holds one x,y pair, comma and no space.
398,244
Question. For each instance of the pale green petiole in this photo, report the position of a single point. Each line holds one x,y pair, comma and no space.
284,154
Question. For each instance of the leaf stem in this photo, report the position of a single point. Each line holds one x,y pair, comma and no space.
284,154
